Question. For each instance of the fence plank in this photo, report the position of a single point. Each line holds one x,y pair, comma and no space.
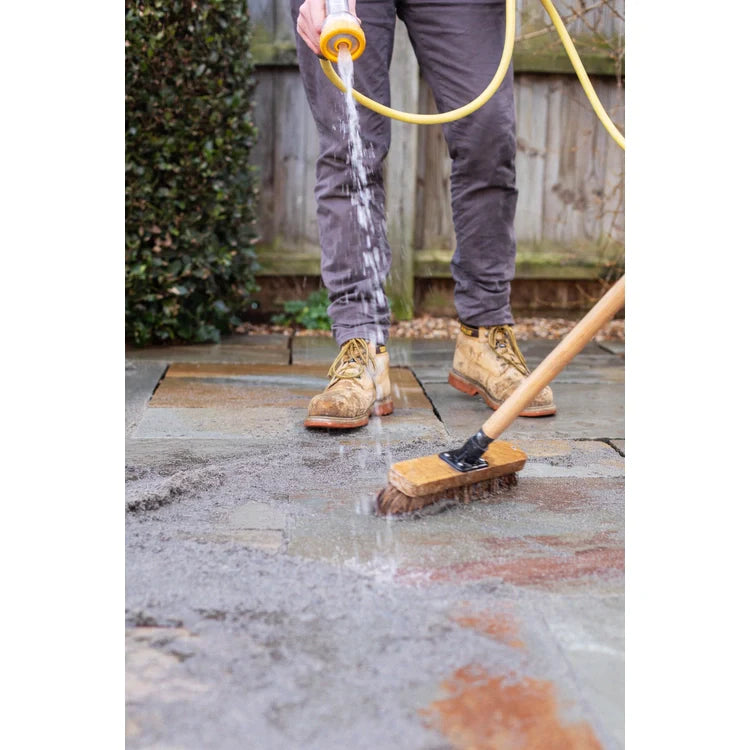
569,172
434,226
400,177
531,114
292,163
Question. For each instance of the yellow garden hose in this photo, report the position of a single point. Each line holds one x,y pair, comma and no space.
494,85
454,114
581,73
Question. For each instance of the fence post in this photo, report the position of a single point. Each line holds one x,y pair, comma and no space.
401,177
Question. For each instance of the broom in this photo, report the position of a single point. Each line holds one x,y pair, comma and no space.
481,467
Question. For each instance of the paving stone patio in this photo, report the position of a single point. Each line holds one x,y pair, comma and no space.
267,607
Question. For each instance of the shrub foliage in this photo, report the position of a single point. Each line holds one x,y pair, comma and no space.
189,188
311,313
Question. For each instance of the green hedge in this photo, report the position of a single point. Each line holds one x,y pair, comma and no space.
189,188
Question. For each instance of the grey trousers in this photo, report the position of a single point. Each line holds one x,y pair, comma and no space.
458,47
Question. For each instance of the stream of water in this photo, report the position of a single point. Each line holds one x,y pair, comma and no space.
373,248
362,197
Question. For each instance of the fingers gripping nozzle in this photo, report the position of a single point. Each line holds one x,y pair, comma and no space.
341,30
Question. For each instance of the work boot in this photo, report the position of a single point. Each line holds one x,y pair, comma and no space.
488,361
359,386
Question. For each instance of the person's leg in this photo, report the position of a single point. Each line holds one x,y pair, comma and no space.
354,260
355,255
458,46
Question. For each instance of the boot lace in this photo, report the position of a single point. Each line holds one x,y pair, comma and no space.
351,361
502,341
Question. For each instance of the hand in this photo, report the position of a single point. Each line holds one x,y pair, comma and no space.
312,14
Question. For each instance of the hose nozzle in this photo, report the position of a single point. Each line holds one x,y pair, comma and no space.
341,30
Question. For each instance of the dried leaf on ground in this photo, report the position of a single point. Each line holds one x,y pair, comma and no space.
432,327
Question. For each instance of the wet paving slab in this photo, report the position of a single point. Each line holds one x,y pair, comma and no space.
262,349
584,412
265,601
260,403
431,360
557,535
588,393
140,381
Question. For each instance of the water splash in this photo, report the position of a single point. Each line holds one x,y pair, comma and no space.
362,195
373,255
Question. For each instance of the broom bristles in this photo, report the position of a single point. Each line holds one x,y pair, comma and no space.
392,502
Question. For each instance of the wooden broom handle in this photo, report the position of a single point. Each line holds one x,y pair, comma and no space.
586,328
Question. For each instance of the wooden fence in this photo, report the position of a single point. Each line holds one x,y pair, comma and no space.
570,174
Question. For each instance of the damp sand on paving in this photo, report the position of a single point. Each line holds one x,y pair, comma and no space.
266,606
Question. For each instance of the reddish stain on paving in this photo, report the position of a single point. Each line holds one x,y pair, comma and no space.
507,544
601,538
564,495
501,627
531,543
482,712
525,571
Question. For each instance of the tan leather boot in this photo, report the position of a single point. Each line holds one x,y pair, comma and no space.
488,361
359,386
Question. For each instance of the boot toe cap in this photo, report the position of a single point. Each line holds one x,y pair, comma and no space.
543,405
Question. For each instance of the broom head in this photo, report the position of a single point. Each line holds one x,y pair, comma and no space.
420,482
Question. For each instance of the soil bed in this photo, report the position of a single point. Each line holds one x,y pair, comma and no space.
433,327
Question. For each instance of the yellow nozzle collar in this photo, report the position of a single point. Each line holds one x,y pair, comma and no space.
341,30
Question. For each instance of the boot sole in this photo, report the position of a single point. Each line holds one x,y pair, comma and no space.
471,387
378,409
